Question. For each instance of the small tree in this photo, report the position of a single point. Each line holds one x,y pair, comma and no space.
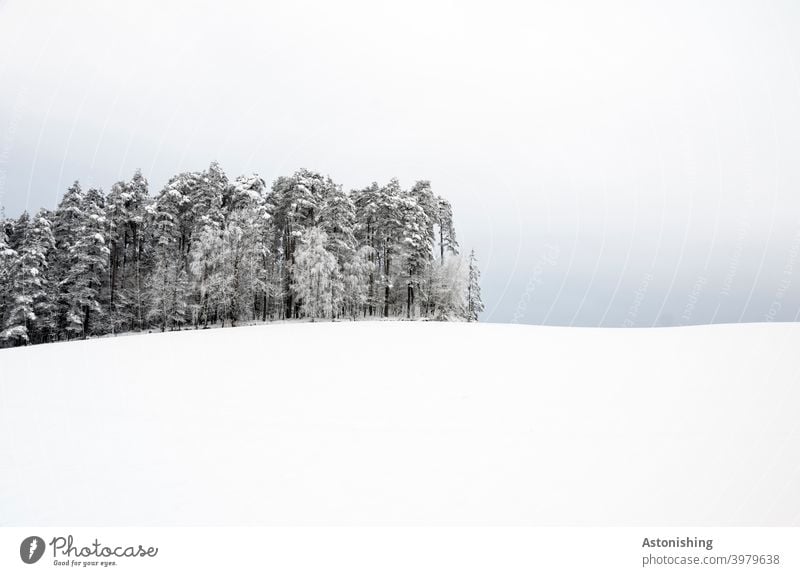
450,289
474,302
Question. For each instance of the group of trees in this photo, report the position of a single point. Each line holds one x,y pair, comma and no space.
208,250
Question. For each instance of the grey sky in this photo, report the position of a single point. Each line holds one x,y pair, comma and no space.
617,163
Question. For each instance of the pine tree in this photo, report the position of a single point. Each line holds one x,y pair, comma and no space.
245,192
207,195
337,220
474,302
212,250
126,212
237,270
175,218
170,221
31,307
87,258
7,256
265,261
16,230
389,227
67,222
418,210
447,231
296,202
366,202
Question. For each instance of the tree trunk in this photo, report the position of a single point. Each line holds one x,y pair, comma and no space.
86,322
386,268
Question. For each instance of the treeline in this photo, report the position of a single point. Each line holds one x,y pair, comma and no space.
209,250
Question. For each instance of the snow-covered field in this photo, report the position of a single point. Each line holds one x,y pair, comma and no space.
405,423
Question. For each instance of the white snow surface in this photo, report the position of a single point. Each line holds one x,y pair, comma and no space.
401,423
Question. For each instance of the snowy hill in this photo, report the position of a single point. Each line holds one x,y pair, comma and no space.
398,423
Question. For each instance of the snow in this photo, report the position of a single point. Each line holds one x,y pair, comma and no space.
405,423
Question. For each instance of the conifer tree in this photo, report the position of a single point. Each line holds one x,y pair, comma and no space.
66,225
474,302
447,231
87,260
366,202
209,250
418,210
126,212
31,307
7,256
389,228
296,202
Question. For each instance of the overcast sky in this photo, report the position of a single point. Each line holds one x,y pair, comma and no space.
612,163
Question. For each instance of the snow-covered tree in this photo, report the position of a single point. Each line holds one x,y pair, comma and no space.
245,192
206,268
238,268
474,302
367,202
67,221
168,293
211,250
418,210
87,260
315,275
68,217
207,194
296,202
126,211
450,288
355,280
228,259
265,262
337,219
389,229
32,306
172,220
447,230
7,256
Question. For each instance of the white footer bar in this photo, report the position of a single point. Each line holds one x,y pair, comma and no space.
371,551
